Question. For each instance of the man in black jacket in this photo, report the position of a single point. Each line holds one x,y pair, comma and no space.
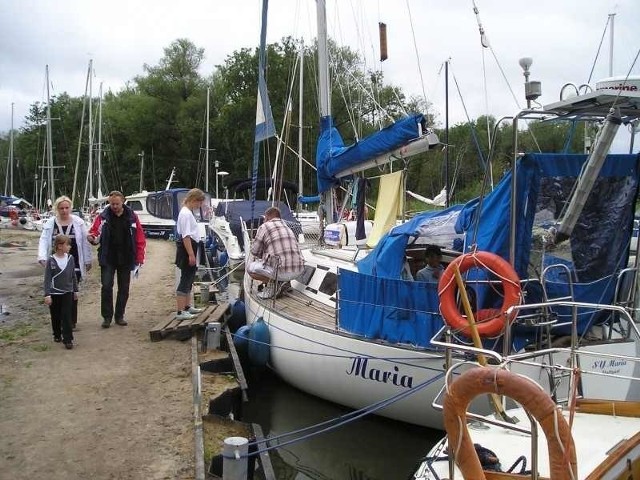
122,246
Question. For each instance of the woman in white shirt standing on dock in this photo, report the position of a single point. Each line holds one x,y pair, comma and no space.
186,249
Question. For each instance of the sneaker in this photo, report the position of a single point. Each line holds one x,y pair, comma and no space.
106,323
184,315
68,345
57,339
267,292
121,321
283,288
194,310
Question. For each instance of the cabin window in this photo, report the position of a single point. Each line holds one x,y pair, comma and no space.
329,284
306,275
135,205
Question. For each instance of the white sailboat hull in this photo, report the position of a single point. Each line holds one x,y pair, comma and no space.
346,370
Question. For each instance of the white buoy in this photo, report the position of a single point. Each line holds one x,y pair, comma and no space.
234,458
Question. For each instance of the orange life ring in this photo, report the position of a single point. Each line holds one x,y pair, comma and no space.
477,381
490,322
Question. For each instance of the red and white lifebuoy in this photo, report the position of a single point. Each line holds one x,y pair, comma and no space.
477,381
490,321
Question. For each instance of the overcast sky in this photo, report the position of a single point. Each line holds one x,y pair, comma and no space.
562,37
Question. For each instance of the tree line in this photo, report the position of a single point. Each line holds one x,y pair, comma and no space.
162,113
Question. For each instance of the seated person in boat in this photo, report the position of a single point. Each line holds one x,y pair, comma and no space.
433,269
276,252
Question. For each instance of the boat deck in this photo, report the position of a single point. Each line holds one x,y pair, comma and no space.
298,306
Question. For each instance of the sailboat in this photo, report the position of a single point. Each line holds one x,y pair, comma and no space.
351,330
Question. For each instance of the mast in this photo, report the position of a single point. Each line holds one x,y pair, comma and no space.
324,94
90,167
446,134
300,107
264,117
75,174
99,155
10,169
206,153
50,183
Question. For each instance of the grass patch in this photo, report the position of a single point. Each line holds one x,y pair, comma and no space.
41,347
11,334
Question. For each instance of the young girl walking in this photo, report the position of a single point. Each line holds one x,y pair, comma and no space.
60,290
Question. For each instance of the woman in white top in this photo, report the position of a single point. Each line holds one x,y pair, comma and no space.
188,239
66,223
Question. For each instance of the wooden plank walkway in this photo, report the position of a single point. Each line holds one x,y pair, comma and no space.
170,326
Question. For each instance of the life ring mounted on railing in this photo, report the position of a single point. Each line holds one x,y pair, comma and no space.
490,321
474,382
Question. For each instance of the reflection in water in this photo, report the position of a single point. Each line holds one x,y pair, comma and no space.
370,448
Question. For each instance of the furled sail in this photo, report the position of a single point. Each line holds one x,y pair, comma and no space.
334,160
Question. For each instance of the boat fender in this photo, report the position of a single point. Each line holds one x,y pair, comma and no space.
259,344
482,380
223,258
241,340
490,322
238,316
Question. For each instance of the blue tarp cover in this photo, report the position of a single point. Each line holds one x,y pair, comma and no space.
388,309
596,252
332,156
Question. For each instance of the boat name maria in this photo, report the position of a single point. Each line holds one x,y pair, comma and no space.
359,367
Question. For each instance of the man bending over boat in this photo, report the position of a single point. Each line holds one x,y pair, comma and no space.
276,253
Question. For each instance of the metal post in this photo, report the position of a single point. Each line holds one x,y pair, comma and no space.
141,155
234,458
217,165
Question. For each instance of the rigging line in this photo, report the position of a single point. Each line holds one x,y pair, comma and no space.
471,125
486,98
342,420
415,45
504,76
399,360
604,32
484,43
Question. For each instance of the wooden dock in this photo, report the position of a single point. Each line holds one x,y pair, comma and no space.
184,329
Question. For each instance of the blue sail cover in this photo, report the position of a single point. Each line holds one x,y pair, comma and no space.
332,156
595,253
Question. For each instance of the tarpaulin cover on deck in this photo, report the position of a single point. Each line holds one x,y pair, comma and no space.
387,309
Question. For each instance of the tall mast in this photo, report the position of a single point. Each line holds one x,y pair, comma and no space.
77,169
50,183
99,155
10,157
90,167
446,134
323,82
206,153
300,108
